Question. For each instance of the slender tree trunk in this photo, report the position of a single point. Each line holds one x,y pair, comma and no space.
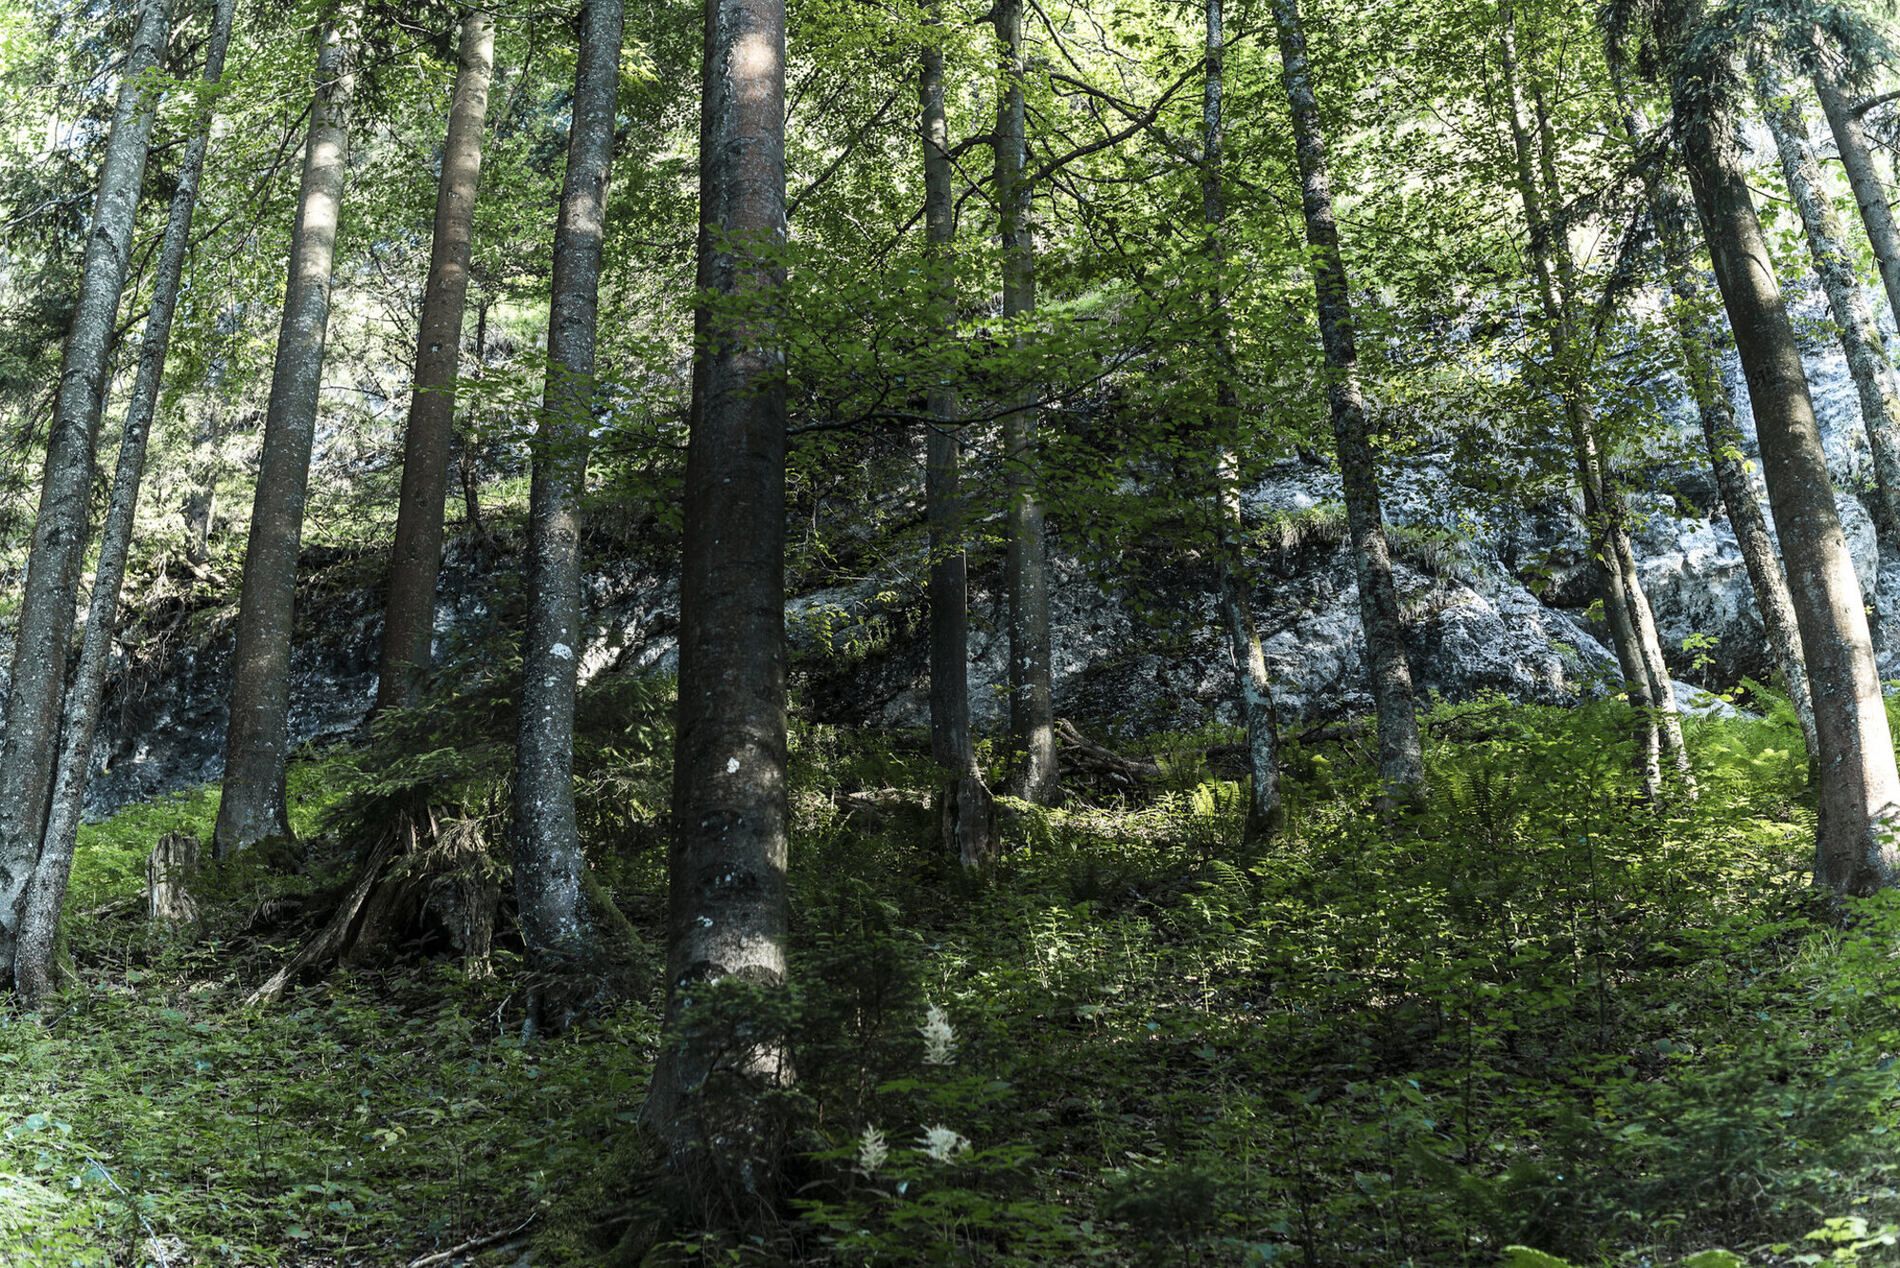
201,504
1265,811
1401,755
1853,318
1870,192
469,442
726,915
39,921
56,553
415,560
1550,266
1662,687
1032,716
256,747
1696,337
565,924
964,806
1859,788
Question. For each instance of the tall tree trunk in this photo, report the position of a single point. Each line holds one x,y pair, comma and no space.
57,551
1859,787
1853,319
1696,338
1401,756
1553,271
1032,716
469,441
1662,687
964,805
726,914
201,503
565,923
1870,192
1265,810
415,559
39,920
256,746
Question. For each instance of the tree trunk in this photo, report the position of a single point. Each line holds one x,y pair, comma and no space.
1032,716
726,917
1264,808
1662,687
469,442
1853,318
564,931
168,875
1554,272
1696,338
1859,788
964,806
201,504
39,920
255,750
416,557
44,631
1401,754
1870,192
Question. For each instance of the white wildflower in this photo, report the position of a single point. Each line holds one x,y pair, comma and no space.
940,1041
872,1151
942,1144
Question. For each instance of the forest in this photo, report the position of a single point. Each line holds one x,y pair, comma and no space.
876,632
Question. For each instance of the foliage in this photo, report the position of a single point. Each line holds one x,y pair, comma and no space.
1543,1014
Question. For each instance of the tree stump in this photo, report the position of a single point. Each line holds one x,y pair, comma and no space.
173,863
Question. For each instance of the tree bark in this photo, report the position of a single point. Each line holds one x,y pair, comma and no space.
57,550
1853,318
1026,559
1401,753
1554,272
964,804
1696,338
564,927
1265,810
726,916
1870,192
415,559
256,747
201,504
1859,788
39,919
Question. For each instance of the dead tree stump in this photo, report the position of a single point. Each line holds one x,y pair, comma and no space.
173,863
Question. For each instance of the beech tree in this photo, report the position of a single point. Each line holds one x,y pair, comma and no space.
416,556
726,910
256,745
1850,141
1626,609
1401,754
1026,563
1857,783
56,553
40,905
565,921
1860,339
964,804
1699,336
1264,808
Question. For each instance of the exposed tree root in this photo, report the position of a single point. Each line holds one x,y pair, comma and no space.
425,875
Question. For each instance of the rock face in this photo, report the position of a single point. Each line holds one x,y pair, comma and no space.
1495,603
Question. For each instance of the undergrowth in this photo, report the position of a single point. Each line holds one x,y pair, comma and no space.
1540,1021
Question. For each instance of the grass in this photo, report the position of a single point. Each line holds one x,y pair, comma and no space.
1541,1014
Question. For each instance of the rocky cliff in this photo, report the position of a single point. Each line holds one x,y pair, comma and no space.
1496,602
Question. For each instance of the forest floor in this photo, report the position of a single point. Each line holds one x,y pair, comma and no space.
1538,1013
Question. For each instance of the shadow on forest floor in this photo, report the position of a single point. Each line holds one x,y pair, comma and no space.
1540,1012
